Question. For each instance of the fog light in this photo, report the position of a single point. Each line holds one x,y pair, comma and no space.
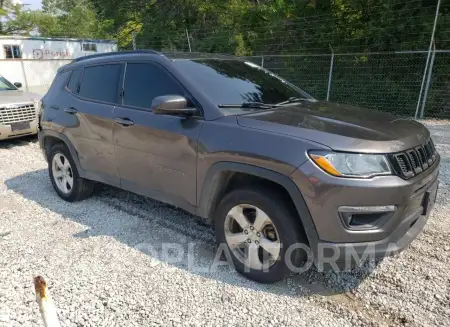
362,218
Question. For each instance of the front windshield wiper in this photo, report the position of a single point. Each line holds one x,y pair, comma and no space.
254,105
291,100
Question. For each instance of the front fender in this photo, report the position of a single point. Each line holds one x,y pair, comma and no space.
217,174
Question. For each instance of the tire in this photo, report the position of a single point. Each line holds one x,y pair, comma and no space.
80,188
287,226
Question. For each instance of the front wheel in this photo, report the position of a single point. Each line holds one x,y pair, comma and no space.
261,232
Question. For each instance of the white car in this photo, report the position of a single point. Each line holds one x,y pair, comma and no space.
18,110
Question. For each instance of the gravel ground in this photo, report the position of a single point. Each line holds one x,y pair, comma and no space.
103,259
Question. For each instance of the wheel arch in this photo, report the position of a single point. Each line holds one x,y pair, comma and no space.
48,138
217,182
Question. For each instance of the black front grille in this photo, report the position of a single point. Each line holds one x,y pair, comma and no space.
423,160
414,161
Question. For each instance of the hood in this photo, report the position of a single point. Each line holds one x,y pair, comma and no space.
17,96
340,127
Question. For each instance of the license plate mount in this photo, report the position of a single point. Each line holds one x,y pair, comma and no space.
20,126
429,199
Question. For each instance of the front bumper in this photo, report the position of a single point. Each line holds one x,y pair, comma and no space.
342,247
7,133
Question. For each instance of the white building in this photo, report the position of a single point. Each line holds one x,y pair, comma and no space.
33,61
24,47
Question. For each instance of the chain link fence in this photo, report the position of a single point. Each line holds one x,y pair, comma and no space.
35,75
438,100
388,82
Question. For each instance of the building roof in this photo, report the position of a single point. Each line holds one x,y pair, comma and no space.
38,38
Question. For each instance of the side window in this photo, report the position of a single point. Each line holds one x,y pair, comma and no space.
92,47
146,81
73,81
12,51
101,83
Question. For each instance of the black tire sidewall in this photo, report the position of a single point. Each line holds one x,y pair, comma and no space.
72,195
289,230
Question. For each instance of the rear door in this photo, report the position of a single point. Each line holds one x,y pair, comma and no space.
94,94
156,154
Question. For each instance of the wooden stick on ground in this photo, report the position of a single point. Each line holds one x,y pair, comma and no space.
46,306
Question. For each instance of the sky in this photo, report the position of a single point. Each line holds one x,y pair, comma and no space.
32,4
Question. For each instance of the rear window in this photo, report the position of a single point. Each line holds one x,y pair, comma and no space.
101,83
73,81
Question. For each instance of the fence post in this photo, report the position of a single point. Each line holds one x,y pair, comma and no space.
24,75
427,87
189,42
330,74
262,61
133,36
428,58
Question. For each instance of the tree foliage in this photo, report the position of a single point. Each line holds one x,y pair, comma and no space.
277,26
63,18
243,27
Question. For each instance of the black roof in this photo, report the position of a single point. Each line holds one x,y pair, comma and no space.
197,55
116,53
169,55
166,55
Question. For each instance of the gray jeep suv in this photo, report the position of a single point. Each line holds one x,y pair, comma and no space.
286,180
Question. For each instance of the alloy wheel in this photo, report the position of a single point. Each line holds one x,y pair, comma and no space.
252,236
62,173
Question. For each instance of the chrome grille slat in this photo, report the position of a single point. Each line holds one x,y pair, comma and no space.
10,114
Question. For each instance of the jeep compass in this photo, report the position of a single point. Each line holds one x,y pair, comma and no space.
286,180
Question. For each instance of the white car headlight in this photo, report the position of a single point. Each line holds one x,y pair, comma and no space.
351,164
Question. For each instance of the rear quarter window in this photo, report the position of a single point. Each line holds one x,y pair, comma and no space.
58,84
72,85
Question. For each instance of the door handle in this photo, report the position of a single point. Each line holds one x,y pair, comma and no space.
124,121
54,107
71,110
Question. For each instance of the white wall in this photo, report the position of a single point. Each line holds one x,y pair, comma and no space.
53,49
41,60
38,75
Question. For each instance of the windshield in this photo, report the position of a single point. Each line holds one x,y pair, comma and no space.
234,82
6,85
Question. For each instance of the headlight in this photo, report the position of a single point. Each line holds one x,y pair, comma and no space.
351,164
37,105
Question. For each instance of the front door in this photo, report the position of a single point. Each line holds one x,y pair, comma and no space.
156,154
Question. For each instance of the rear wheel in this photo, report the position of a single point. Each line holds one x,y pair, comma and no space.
64,175
260,231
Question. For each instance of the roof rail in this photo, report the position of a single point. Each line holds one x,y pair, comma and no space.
105,54
196,55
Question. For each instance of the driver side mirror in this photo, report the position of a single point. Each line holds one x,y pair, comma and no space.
172,105
18,85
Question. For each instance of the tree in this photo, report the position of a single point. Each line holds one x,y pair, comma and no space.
276,26
64,18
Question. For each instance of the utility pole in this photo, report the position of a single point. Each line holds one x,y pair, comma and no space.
430,49
189,42
133,36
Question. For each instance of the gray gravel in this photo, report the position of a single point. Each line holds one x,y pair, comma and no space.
103,260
